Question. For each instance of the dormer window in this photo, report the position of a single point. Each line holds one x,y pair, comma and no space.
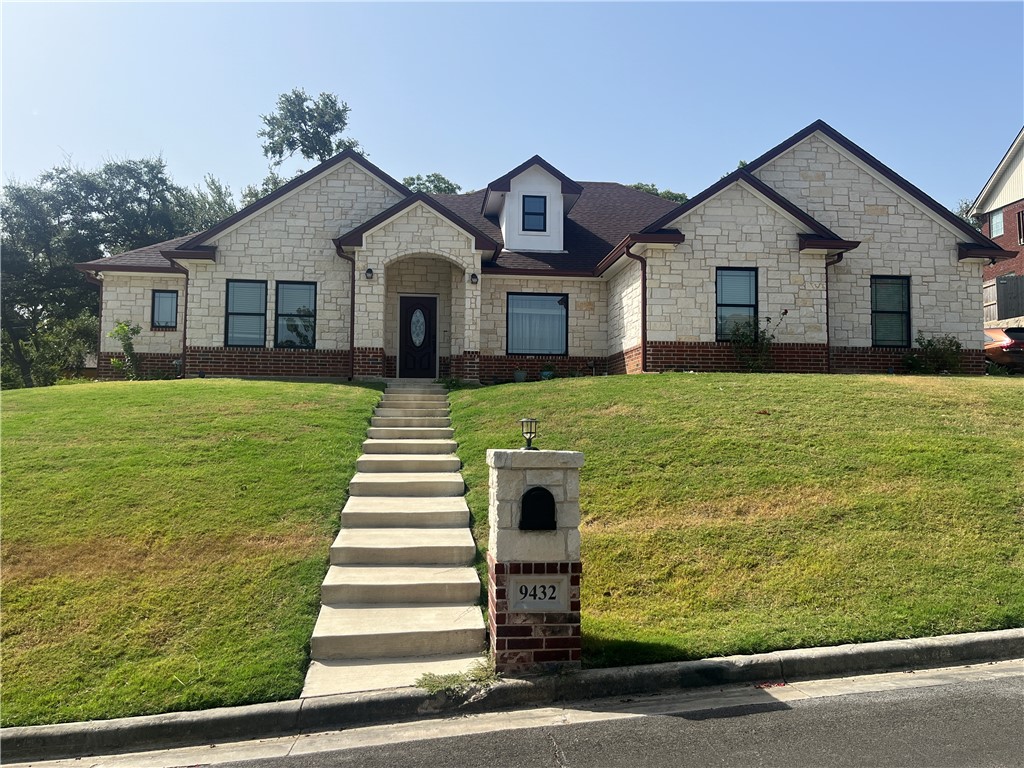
535,213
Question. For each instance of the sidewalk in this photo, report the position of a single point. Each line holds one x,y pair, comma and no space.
344,711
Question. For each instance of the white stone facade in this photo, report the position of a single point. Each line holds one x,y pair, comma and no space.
898,237
624,316
130,298
290,241
736,228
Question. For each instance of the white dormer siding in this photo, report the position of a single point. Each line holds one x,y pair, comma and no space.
537,182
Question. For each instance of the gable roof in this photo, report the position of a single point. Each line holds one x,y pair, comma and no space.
354,237
493,192
820,126
1015,148
286,189
744,176
604,214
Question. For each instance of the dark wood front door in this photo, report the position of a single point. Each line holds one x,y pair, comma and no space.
417,337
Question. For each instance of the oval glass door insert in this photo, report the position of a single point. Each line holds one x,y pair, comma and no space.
418,327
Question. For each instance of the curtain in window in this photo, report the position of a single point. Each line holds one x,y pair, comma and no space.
537,324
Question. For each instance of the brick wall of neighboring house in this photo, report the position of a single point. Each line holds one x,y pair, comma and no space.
1008,241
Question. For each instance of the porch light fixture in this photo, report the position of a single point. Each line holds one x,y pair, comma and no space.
529,427
474,278
369,273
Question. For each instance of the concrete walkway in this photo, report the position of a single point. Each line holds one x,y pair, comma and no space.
400,597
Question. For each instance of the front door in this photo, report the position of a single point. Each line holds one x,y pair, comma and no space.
417,337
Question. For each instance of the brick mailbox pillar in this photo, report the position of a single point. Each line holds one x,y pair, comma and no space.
533,560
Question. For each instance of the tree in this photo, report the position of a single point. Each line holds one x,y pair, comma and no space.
313,128
668,194
69,216
963,210
432,183
271,181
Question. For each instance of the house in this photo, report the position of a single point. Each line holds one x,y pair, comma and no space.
1000,207
343,272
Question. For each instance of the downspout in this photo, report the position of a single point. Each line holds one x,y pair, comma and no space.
351,314
643,304
828,328
184,330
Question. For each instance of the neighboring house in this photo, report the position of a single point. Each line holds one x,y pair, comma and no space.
538,269
1000,208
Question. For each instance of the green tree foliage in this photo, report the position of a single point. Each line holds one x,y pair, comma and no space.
668,194
963,210
254,192
69,215
313,128
432,183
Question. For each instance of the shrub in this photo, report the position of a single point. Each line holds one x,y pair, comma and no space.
938,354
125,334
752,342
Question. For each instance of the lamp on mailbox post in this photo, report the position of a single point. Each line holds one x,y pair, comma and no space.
529,432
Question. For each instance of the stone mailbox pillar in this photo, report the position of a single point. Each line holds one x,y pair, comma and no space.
533,560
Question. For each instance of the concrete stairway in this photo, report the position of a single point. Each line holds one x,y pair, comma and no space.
400,597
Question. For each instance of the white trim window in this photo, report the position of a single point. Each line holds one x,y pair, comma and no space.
995,223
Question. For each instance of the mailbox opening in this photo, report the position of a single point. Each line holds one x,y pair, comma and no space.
537,510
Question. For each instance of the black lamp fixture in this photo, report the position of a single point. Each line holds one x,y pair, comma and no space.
474,278
529,427
369,273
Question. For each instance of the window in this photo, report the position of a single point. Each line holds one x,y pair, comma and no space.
165,311
538,324
247,314
295,325
737,299
1020,227
890,311
535,213
995,223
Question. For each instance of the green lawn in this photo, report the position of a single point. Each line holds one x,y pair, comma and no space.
735,514
163,542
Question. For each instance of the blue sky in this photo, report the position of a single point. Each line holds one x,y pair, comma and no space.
669,93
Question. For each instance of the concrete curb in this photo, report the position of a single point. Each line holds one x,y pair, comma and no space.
374,707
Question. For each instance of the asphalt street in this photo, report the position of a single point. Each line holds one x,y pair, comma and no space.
970,715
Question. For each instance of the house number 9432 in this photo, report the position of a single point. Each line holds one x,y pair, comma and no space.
532,594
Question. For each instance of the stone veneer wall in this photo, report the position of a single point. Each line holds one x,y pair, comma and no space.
291,240
588,308
735,229
130,298
624,320
424,276
898,237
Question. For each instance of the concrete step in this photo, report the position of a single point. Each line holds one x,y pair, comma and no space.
405,512
405,462
403,546
416,400
406,484
387,412
400,630
410,421
368,584
415,389
332,676
410,445
410,433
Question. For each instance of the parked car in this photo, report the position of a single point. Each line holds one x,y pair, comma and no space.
1005,347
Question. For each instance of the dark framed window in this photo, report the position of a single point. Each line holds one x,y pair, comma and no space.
890,311
165,311
537,324
736,303
295,321
535,213
1020,227
246,324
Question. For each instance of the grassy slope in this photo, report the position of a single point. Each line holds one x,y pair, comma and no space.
163,542
731,514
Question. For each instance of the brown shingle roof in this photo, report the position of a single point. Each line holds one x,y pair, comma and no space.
604,214
146,259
